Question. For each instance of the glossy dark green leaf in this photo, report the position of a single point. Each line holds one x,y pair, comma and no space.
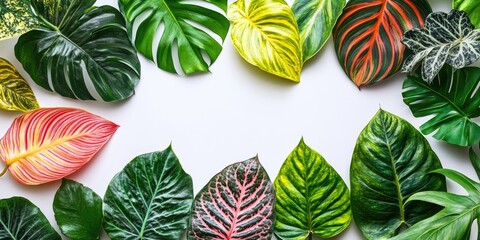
22,220
80,51
78,211
311,198
475,160
16,17
151,198
454,101
390,162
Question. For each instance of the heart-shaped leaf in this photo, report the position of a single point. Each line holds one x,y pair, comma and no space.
15,93
446,38
472,7
368,36
17,18
266,35
50,143
454,100
237,203
455,220
151,198
21,219
391,161
316,20
80,51
78,211
312,199
188,28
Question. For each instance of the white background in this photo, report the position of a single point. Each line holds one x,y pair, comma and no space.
232,114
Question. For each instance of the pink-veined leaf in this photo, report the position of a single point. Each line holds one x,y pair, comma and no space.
237,204
50,143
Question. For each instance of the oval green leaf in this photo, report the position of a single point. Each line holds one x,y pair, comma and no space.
311,198
151,198
454,101
266,35
80,51
390,162
78,211
21,219
316,20
17,18
180,22
15,93
472,7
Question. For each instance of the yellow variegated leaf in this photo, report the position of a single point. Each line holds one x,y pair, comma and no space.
16,18
15,93
266,34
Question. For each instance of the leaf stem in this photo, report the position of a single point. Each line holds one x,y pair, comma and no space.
4,170
310,237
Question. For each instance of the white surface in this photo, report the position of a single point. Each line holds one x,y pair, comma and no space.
230,115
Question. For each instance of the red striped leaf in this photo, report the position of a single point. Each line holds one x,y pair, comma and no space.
50,143
368,36
236,204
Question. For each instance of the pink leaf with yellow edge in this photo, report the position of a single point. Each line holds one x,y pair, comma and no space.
50,143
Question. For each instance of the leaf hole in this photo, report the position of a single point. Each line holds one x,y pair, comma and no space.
139,20
156,41
176,59
88,83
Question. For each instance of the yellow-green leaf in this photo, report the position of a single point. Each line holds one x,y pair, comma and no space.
16,18
266,34
15,93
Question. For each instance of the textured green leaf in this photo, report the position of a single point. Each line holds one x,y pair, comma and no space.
15,93
390,162
455,220
446,38
472,7
454,100
311,198
475,160
80,51
265,34
151,198
78,211
16,18
316,20
20,219
179,21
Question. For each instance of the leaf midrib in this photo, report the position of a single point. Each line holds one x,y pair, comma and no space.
8,230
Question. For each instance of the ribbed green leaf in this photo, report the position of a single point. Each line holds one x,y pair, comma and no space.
16,18
151,198
22,220
475,160
391,161
179,21
15,93
311,198
78,211
472,7
454,101
80,51
316,20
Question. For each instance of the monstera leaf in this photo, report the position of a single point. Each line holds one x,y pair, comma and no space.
50,143
475,160
446,38
471,7
150,199
391,162
20,219
368,36
180,25
78,211
312,199
454,100
237,203
16,18
316,20
455,220
266,35
15,93
80,51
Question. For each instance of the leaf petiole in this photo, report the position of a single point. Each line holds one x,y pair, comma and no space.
4,170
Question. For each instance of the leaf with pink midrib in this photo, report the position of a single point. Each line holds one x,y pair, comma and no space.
237,204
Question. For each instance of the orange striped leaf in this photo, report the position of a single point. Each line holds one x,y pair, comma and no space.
50,143
368,36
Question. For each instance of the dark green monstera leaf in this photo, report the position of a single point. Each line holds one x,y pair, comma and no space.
80,51
150,199
16,18
391,162
475,160
311,198
20,219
